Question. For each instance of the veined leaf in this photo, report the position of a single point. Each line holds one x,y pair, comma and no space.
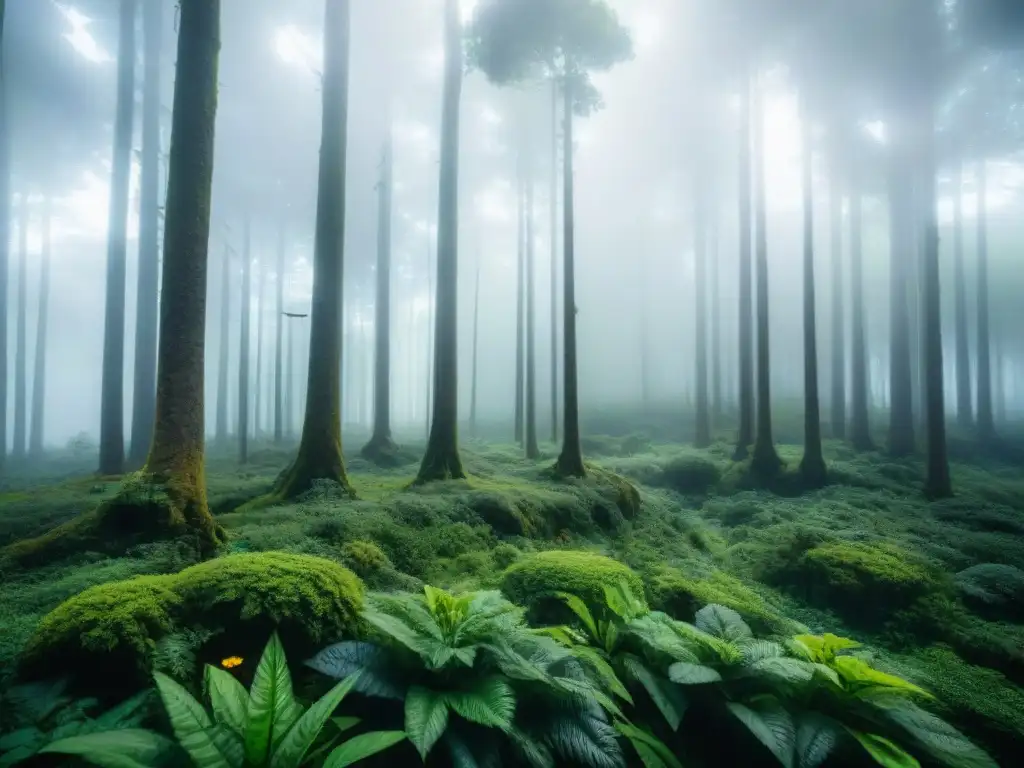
756,649
128,714
605,674
563,635
584,741
622,602
652,751
789,670
536,754
342,659
582,611
399,631
857,673
668,698
772,725
816,737
272,708
939,738
361,747
426,718
723,623
125,748
292,746
346,723
192,726
824,648
885,752
692,674
489,702
228,697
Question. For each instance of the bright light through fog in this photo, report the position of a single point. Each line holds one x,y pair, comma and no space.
80,38
489,115
876,130
466,9
295,47
646,28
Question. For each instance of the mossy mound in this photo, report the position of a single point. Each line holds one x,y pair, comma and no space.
109,632
533,581
688,475
993,590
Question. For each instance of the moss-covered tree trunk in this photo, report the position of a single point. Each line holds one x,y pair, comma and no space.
224,348
702,420
279,339
517,411
532,449
245,307
986,426
765,461
745,368
812,465
19,442
112,390
319,456
570,460
147,302
36,430
837,410
5,232
476,350
381,446
901,414
553,264
964,416
441,460
860,427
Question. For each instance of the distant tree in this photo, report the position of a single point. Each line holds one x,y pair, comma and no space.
702,414
261,294
517,412
517,40
224,347
553,265
36,431
964,407
19,443
860,427
5,231
245,308
476,350
530,427
112,394
279,427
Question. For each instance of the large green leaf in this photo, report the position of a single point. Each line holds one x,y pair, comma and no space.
401,632
723,623
125,748
653,752
228,697
789,670
361,747
692,674
379,677
193,727
292,746
128,714
272,706
490,701
885,752
592,658
816,737
622,602
771,724
426,717
667,697
582,611
939,738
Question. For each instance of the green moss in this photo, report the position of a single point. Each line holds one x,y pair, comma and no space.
993,590
533,580
688,474
364,557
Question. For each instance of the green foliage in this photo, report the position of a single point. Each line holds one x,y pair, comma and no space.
265,726
993,590
364,557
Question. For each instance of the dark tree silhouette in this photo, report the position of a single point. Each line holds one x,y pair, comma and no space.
532,449
224,348
5,236
279,337
964,408
36,430
19,436
245,306
746,299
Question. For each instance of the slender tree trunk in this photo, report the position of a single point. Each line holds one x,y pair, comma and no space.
716,322
520,302
570,460
532,449
838,396
224,349
279,428
147,304
289,393
21,337
112,397
5,233
964,415
746,300
702,435
901,414
261,292
860,428
986,427
319,455
937,482
243,345
553,213
35,442
428,357
812,466
476,350
381,444
765,461
441,460
998,383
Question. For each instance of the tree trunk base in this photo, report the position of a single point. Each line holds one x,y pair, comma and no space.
569,464
382,451
440,464
741,452
813,470
765,462
147,508
304,472
862,442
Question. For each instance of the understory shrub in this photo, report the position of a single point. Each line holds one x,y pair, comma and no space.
993,590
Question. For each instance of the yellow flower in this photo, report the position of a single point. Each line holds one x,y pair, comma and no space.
231,661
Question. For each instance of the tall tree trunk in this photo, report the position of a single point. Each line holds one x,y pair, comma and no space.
147,304
901,414
998,383
279,428
517,411
36,434
765,461
261,292
289,392
937,482
716,321
112,396
381,445
702,434
570,459
860,427
319,455
812,465
532,449
441,460
224,348
986,427
553,264
243,345
746,300
838,395
5,233
428,357
21,339
964,415
476,349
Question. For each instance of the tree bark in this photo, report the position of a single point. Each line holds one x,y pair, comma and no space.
838,394
765,461
37,431
147,304
441,460
553,214
19,443
901,414
532,449
279,428
243,345
964,415
812,465
860,427
224,349
702,433
517,411
112,393
986,426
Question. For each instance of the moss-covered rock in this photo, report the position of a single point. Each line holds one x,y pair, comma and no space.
533,581
502,513
993,590
688,474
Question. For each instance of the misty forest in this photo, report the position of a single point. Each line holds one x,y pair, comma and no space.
527,383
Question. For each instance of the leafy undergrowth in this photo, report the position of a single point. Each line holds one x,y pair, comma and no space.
934,588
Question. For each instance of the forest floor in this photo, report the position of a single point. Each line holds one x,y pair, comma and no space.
865,556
